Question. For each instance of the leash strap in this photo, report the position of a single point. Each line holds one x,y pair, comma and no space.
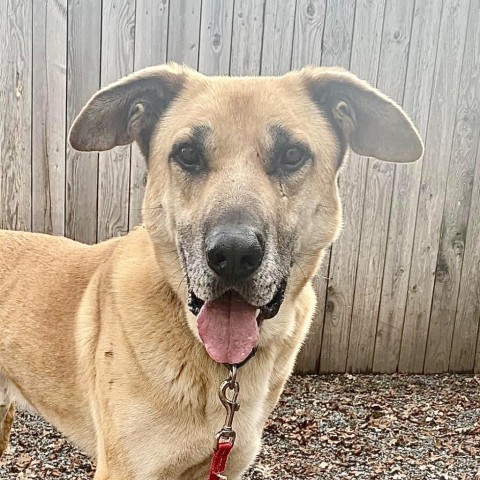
225,437
219,461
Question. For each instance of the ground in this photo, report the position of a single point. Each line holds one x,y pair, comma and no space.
327,427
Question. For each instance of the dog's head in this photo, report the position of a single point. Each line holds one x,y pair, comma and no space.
243,178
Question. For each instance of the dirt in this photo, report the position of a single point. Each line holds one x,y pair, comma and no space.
325,427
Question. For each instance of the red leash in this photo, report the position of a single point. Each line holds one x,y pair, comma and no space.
219,460
225,438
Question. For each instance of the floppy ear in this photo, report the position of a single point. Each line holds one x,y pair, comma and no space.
127,110
367,120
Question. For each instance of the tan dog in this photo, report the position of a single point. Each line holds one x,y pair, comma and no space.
120,345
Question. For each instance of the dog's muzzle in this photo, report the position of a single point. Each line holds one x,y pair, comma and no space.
229,326
230,316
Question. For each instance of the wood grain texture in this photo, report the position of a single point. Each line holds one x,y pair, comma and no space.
338,33
151,32
247,36
418,89
461,214
343,266
308,33
118,34
466,336
471,285
16,124
378,195
457,204
307,50
336,51
151,36
49,116
278,36
184,31
451,44
216,37
83,80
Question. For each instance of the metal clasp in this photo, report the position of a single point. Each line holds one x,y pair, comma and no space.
231,406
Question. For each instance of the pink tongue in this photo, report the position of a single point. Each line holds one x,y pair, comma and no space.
228,329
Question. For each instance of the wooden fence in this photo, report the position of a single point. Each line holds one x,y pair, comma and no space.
400,290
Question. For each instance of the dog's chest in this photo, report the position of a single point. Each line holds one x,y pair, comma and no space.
248,426
180,447
245,449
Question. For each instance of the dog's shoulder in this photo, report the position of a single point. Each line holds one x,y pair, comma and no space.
38,251
16,240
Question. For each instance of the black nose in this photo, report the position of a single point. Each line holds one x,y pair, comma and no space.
234,251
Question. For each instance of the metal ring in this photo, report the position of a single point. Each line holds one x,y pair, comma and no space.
225,434
233,376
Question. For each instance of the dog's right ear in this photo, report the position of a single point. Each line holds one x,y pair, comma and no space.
127,110
367,120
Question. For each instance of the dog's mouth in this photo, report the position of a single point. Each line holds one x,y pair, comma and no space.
229,326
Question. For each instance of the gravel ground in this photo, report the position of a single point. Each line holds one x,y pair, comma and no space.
325,427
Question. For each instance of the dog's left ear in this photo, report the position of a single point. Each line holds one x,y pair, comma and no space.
368,121
127,110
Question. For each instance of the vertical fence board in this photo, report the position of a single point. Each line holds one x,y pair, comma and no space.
308,33
365,61
378,194
247,37
307,50
15,129
277,36
343,265
432,189
118,20
184,31
467,319
83,80
338,34
49,116
151,34
457,204
216,37
336,51
471,290
418,88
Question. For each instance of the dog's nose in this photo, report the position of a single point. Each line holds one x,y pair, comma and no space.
234,252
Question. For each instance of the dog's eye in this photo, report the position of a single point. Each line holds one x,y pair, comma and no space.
189,158
293,158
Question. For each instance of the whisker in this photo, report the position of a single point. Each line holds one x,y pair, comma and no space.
301,269
177,271
180,284
310,255
169,252
324,277
319,275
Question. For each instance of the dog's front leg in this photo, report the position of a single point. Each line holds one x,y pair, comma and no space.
7,412
111,462
110,469
103,472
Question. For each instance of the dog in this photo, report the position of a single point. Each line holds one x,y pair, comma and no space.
122,345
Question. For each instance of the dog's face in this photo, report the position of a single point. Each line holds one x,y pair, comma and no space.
243,178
